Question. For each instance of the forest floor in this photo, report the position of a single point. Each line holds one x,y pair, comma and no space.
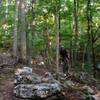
7,83
7,80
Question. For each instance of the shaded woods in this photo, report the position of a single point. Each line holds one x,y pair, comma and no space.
31,32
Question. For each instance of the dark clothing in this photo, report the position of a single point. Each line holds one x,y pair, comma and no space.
64,57
63,54
65,66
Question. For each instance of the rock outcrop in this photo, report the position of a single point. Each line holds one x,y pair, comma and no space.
30,85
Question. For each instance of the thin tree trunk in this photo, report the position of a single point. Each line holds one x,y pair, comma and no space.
7,8
93,58
23,32
76,18
19,28
88,31
30,42
90,35
33,26
15,48
71,55
57,38
75,29
83,59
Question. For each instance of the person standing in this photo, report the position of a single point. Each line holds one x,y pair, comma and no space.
64,57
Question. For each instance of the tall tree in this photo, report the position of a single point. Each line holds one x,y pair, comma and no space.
23,30
57,19
15,48
30,35
89,30
90,34
75,30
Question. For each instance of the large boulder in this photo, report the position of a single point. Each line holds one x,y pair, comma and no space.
42,90
23,91
31,85
25,76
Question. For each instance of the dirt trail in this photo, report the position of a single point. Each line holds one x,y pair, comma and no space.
6,90
6,83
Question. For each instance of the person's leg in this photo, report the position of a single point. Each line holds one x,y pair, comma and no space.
65,67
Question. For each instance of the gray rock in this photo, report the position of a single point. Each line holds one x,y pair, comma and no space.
27,79
42,90
24,91
25,76
24,71
30,85
47,77
69,83
88,89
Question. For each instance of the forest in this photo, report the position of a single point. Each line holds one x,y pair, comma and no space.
50,49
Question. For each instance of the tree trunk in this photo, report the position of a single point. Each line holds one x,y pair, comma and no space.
30,36
23,31
19,29
57,37
75,31
15,48
33,27
93,57
7,6
90,35
88,32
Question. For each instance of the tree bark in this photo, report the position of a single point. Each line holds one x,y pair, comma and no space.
57,37
75,31
23,31
15,48
90,35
